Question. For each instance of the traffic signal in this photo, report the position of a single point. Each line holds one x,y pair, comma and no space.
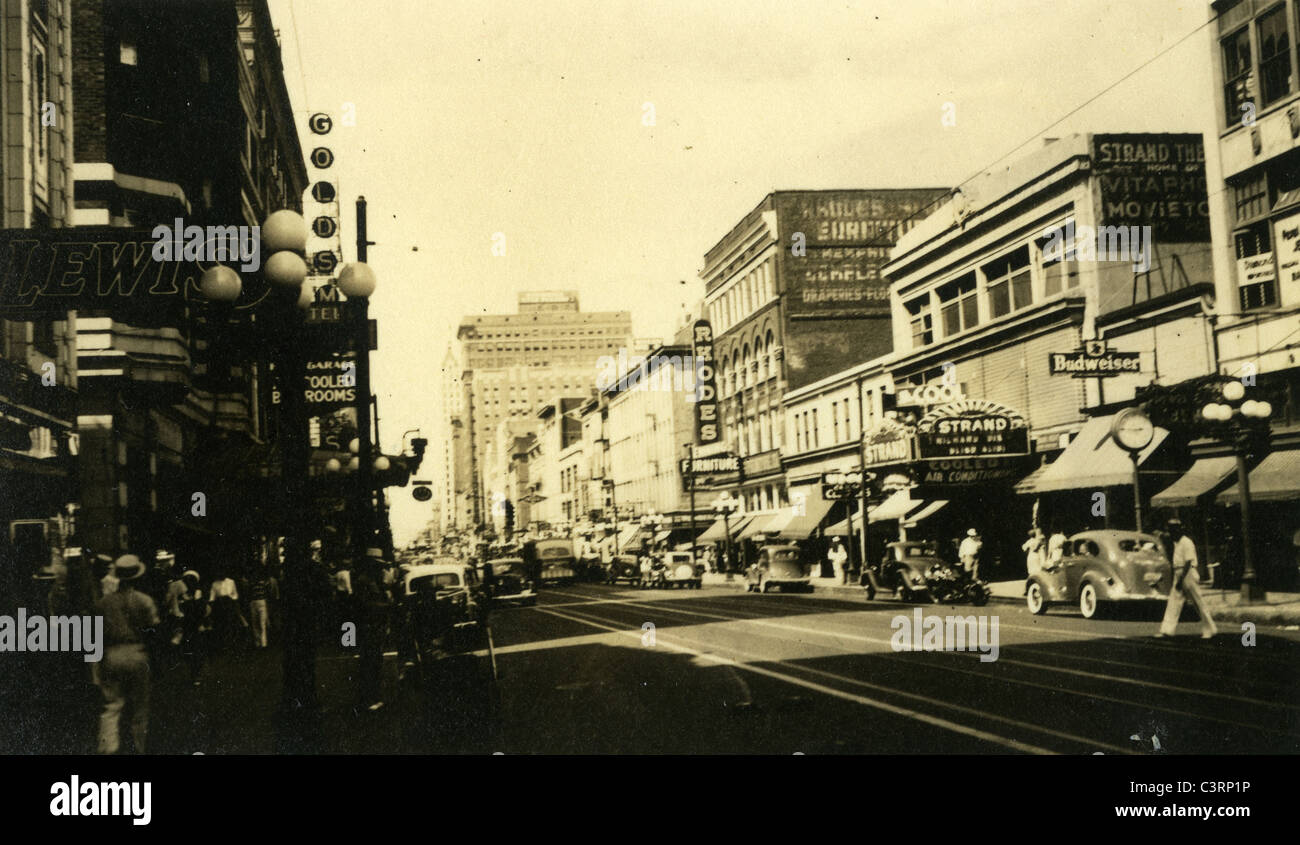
418,445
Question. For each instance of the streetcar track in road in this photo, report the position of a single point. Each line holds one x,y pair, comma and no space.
981,674
1091,743
926,718
1149,667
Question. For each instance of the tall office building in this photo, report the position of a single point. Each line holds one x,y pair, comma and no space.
512,363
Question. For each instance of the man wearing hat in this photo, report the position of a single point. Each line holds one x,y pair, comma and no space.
129,615
969,552
1185,586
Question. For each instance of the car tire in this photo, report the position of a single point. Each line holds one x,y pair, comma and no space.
1089,601
764,587
903,594
1035,600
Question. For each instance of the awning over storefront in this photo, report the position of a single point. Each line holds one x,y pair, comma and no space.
758,524
928,510
1276,479
1029,483
789,524
1204,476
717,532
898,505
1092,460
628,535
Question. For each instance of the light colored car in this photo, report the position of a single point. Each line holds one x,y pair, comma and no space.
680,570
456,582
1099,567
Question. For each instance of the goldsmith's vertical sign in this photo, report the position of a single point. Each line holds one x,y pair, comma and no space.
706,394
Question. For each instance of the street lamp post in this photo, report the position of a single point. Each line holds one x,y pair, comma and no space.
725,505
284,238
357,281
1237,406
848,486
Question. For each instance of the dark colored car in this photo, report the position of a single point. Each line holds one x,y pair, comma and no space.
623,568
507,581
1099,567
906,566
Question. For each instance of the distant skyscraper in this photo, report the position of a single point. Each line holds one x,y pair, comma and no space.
513,363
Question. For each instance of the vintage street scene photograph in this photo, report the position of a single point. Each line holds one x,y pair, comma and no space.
732,378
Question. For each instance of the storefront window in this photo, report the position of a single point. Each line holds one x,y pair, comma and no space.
1274,56
1236,74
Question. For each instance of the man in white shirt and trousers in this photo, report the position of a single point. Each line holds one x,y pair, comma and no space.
1185,586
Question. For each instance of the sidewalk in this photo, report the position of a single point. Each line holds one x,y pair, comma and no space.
1279,608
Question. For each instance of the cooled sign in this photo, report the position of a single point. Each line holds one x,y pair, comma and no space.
971,429
330,383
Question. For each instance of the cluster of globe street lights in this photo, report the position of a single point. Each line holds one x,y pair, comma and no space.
1253,410
284,239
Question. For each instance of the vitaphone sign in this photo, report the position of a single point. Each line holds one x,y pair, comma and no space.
706,394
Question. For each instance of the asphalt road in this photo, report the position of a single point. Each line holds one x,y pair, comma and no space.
729,672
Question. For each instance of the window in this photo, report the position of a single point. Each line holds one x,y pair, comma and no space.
958,305
1060,273
798,434
1236,75
1250,242
835,420
1274,56
204,70
918,311
1008,282
1251,197
126,51
815,433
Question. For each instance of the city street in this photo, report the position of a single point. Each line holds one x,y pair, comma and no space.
730,672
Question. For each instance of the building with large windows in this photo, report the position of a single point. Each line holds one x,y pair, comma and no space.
512,363
794,293
1029,309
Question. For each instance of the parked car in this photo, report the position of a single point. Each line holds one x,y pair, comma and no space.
509,581
458,590
623,568
778,566
1099,567
680,570
905,568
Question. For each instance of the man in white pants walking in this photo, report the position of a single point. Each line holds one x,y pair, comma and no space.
1185,586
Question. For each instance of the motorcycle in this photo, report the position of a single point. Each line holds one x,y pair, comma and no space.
953,585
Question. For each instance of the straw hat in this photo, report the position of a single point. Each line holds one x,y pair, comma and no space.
128,568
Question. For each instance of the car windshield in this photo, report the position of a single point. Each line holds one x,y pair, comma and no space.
785,556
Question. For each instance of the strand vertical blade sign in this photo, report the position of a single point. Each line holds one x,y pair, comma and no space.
706,394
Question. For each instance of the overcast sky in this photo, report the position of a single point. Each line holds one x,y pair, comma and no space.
528,119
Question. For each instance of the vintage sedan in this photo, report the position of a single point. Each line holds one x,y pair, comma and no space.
623,568
1099,567
457,589
778,566
905,567
679,570
506,580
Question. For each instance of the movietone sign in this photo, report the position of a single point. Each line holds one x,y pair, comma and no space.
48,272
845,239
707,429
971,429
1094,360
1155,180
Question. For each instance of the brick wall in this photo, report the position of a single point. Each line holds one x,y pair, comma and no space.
89,118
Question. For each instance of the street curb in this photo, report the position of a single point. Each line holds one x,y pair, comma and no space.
1278,615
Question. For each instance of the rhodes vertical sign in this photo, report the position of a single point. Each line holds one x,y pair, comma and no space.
706,394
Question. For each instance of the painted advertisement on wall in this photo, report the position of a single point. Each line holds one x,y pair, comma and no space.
833,244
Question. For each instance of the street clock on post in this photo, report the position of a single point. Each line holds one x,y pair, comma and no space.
1134,431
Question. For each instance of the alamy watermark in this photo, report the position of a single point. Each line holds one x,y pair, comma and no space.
1106,243
211,244
680,373
53,633
946,633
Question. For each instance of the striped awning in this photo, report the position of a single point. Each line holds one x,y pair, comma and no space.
1204,476
797,523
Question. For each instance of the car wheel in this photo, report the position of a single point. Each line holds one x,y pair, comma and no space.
764,587
903,594
1035,600
1089,604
